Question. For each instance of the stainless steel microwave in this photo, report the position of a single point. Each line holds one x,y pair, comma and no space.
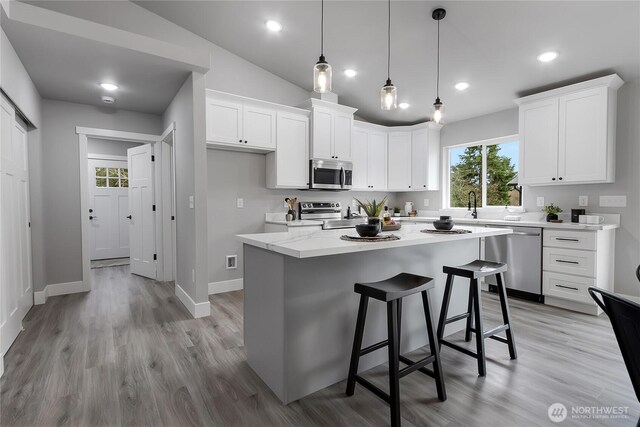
330,175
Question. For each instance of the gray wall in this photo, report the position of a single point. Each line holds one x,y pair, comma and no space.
235,175
627,177
111,148
60,178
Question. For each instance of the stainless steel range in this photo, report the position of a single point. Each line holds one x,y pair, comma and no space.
329,212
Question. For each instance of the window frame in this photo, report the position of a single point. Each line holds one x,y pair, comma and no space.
446,193
106,177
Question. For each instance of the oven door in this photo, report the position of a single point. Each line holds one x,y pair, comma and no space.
327,175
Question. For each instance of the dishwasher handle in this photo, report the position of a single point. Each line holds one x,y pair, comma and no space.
515,233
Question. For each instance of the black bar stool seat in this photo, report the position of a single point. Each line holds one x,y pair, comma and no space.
474,271
391,291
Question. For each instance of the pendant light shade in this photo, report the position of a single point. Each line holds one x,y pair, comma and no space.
438,108
388,93
322,73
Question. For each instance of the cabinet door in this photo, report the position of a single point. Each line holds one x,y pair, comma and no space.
399,159
259,127
539,142
582,141
224,122
292,153
433,160
322,134
419,158
342,124
360,142
377,161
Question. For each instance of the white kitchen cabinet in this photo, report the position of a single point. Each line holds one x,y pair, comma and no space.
425,157
568,134
288,166
331,127
369,149
238,123
399,160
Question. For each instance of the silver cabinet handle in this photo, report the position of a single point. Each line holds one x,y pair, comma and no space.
567,262
564,239
567,287
520,233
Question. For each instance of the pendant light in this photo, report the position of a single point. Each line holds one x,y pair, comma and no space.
322,69
388,93
438,108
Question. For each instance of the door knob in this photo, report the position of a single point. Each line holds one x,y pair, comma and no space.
129,216
92,217
90,210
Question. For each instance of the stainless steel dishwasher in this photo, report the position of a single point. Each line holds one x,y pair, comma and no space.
522,251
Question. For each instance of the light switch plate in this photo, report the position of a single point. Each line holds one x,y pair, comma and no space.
190,202
240,203
613,201
583,201
540,202
426,202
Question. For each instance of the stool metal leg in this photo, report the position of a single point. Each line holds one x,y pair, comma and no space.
445,307
399,322
357,345
467,334
434,347
506,317
394,362
477,305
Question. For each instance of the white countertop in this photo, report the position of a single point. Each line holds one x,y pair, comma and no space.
521,223
327,242
297,223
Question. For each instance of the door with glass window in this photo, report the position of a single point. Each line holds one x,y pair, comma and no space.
108,208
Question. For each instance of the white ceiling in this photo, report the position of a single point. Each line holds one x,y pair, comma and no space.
69,68
491,45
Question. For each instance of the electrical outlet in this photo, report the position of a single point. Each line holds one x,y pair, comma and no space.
231,262
613,201
285,205
540,202
426,202
191,203
583,201
240,203
193,275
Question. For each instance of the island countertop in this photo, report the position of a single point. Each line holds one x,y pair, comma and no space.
328,242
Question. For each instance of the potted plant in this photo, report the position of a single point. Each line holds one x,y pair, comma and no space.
396,211
372,209
552,212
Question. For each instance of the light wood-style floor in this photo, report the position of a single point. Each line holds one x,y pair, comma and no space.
128,353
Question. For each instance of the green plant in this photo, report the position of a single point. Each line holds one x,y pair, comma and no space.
551,209
396,209
371,208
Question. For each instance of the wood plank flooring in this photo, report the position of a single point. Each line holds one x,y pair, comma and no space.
128,353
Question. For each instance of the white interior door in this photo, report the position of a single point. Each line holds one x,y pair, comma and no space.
16,292
108,208
142,211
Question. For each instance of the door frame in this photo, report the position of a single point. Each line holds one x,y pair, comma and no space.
162,194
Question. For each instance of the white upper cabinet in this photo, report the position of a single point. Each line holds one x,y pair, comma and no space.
568,134
288,166
399,156
238,123
369,149
425,157
331,126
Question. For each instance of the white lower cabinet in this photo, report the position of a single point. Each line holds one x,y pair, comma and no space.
572,261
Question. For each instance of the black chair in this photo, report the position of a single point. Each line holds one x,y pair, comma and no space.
391,292
625,320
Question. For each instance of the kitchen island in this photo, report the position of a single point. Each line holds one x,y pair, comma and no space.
300,309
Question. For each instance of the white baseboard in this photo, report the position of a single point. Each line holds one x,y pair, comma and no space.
202,309
225,286
1,365
55,289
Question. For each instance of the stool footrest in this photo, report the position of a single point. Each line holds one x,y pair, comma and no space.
424,370
491,333
413,366
459,348
456,318
374,347
498,338
375,390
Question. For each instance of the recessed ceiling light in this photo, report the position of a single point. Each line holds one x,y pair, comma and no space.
109,86
274,26
547,56
404,105
462,86
350,73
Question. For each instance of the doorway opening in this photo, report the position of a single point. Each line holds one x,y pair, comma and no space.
127,202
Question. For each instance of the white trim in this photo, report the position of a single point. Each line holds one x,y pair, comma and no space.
1,365
202,309
116,135
167,131
226,286
55,289
84,209
98,156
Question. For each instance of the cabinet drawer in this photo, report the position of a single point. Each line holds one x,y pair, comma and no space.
585,240
567,287
569,261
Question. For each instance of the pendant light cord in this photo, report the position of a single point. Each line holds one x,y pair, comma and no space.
438,65
389,44
322,28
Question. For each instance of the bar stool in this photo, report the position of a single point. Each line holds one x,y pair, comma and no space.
391,291
474,271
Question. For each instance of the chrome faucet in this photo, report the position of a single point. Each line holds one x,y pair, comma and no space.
474,214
